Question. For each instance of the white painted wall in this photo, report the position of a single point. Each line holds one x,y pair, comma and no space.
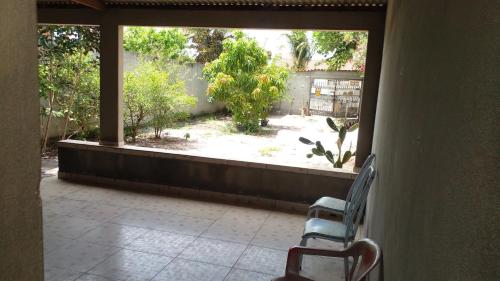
196,86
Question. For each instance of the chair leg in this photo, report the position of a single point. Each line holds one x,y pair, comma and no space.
346,268
346,263
303,243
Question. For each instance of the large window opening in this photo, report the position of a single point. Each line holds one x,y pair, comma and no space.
246,94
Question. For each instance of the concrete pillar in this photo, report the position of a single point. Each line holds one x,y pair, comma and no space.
21,243
434,206
111,101
369,95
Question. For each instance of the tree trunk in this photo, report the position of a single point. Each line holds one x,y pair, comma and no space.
51,101
47,124
157,132
66,121
134,133
67,115
72,99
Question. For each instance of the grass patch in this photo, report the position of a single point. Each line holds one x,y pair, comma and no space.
228,128
269,150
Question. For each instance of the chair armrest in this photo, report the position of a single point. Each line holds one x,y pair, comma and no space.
294,257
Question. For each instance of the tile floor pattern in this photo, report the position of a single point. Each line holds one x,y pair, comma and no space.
98,234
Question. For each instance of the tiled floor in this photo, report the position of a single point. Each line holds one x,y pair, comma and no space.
98,234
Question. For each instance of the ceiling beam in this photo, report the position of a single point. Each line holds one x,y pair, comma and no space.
94,4
269,19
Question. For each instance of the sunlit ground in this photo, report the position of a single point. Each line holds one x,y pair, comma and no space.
215,136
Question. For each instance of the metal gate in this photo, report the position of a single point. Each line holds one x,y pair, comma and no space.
335,97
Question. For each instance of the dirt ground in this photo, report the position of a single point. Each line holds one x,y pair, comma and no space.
215,136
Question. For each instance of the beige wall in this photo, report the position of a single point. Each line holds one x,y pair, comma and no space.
297,96
21,249
435,204
196,86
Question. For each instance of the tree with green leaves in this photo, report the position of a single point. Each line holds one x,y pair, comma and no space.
273,85
135,100
167,97
245,81
50,77
157,43
55,42
85,108
301,50
208,43
340,47
359,57
79,86
155,95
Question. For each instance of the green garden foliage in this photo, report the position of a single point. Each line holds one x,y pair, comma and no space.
340,47
154,93
244,79
168,98
68,75
79,99
155,96
208,43
319,150
136,103
157,43
301,50
58,40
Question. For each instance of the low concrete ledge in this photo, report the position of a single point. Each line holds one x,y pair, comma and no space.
190,193
130,164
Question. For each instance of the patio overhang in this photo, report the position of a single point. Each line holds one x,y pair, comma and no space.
366,15
98,4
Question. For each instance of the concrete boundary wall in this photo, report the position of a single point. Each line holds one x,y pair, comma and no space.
298,86
94,162
192,75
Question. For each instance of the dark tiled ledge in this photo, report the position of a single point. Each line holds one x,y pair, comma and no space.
202,175
235,199
163,153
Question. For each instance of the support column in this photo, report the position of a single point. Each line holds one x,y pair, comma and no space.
369,95
111,70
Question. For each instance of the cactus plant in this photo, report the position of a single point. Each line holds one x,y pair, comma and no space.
319,150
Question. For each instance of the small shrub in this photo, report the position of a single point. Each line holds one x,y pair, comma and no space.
228,128
243,79
90,134
167,98
156,96
135,98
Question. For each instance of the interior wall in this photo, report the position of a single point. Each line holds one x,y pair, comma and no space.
435,203
21,249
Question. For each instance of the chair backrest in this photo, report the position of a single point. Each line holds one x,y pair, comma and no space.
355,208
366,254
357,185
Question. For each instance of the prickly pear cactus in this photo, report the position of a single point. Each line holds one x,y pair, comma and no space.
319,150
